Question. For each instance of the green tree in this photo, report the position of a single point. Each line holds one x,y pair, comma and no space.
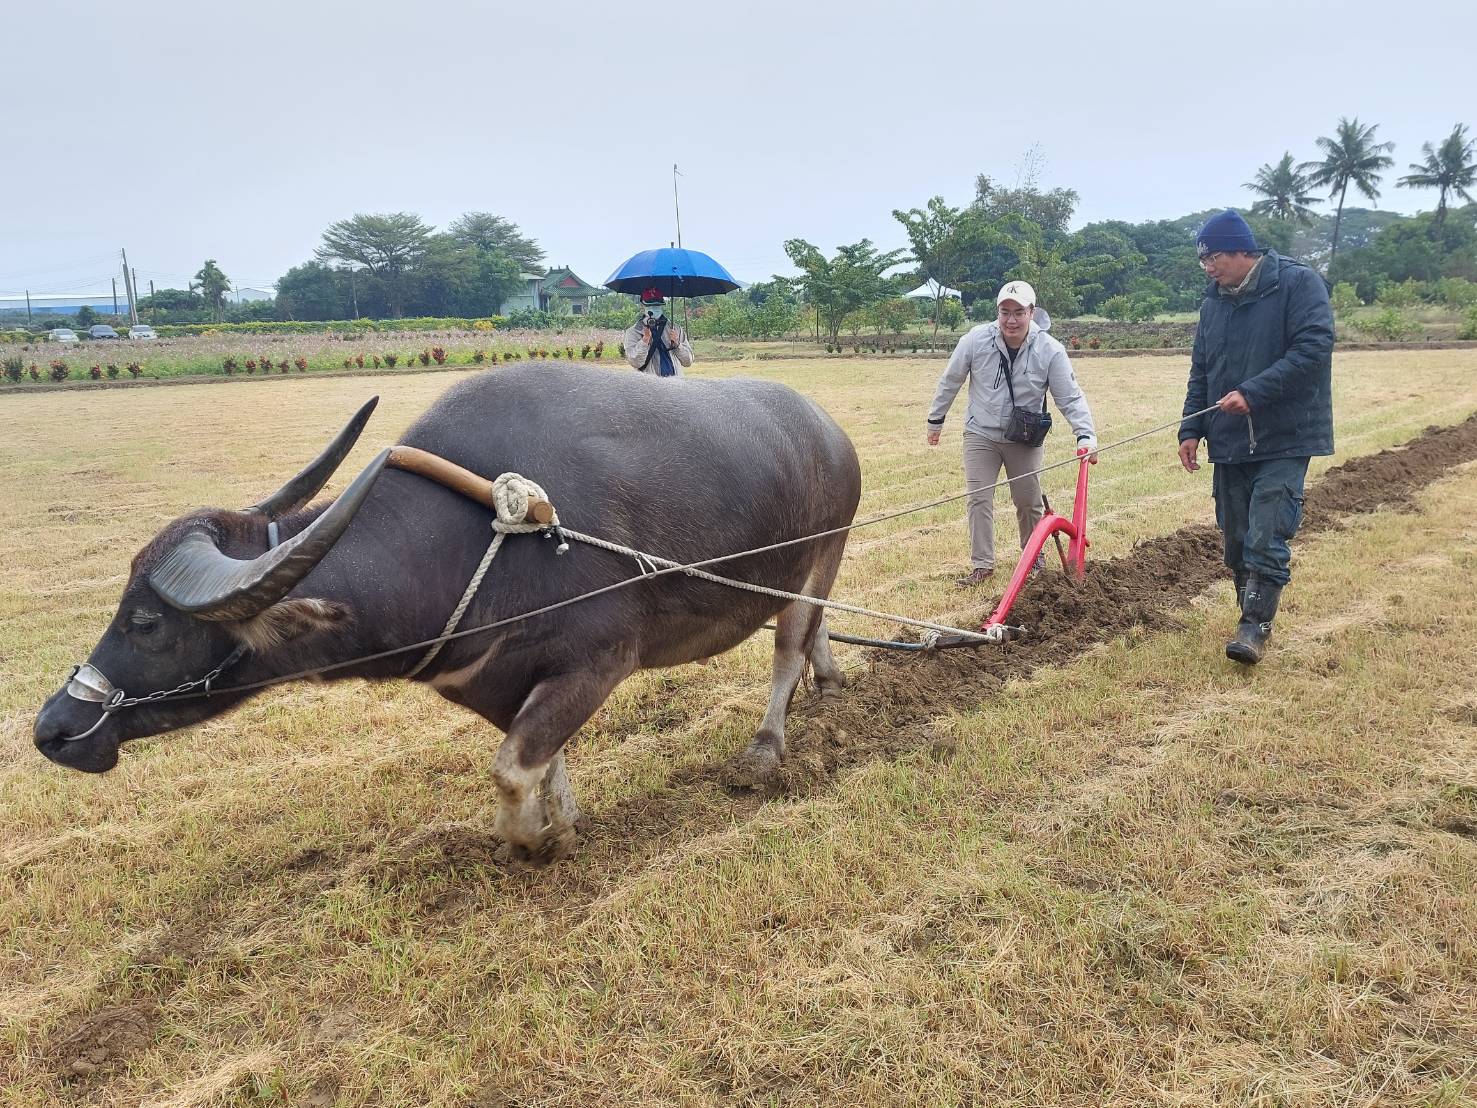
1415,248
1049,272
454,279
386,246
776,307
835,287
1350,157
943,238
212,285
313,291
1286,192
1050,210
488,232
1105,262
86,316
1450,168
728,316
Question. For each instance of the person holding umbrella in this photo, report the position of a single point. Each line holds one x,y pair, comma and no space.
654,344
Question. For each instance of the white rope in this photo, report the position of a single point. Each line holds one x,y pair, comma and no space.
511,494
643,559
508,621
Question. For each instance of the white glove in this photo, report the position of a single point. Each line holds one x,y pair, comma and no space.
1089,443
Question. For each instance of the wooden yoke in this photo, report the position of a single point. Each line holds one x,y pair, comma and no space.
455,477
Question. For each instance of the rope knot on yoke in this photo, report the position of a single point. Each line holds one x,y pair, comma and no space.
511,495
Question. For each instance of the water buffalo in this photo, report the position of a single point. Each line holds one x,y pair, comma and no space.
686,469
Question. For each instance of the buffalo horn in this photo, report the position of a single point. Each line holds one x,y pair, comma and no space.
196,577
307,484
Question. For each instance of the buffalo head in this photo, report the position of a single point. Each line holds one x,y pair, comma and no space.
209,588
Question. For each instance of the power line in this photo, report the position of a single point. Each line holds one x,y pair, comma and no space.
80,286
78,263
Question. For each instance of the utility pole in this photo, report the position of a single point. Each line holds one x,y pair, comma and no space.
115,296
153,311
28,307
675,206
128,288
135,289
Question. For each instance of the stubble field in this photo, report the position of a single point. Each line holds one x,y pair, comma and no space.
1104,867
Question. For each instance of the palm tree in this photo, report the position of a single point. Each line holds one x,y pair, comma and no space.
1351,156
211,284
1450,169
1286,192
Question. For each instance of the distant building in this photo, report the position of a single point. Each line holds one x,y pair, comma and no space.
247,296
526,298
564,284
57,304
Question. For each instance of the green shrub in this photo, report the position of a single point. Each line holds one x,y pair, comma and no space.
1344,298
1406,294
1457,293
333,326
14,367
1469,325
1390,325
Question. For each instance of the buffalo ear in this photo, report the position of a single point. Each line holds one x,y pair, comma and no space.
287,620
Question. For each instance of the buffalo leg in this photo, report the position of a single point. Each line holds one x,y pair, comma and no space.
794,639
536,809
800,636
829,680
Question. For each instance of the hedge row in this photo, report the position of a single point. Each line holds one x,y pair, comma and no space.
334,326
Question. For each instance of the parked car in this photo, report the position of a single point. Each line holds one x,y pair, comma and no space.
101,331
62,334
141,331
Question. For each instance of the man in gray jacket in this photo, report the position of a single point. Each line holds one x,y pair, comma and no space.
1010,363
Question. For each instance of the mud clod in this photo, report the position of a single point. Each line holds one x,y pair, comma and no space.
103,1042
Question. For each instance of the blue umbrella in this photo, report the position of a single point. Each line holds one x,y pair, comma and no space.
672,271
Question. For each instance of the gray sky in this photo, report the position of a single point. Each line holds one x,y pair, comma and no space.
260,122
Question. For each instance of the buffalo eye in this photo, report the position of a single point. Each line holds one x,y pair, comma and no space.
143,623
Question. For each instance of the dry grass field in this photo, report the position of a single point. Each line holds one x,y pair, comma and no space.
1134,874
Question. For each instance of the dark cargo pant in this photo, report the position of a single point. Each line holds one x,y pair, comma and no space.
1258,506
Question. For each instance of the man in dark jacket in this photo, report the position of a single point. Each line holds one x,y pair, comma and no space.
1263,355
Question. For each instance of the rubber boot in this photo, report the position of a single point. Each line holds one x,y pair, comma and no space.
1240,575
1258,610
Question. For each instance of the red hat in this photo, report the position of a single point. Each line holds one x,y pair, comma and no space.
651,296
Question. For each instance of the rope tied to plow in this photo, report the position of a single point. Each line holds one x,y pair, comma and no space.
513,499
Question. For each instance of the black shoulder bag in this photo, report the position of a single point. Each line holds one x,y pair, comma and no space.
1025,426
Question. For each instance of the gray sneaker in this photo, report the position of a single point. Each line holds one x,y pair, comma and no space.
1039,565
976,577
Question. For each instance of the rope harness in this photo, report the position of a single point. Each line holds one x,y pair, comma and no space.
512,496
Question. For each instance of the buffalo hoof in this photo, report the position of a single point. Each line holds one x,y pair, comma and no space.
557,845
755,767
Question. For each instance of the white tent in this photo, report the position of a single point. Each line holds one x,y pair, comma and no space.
930,289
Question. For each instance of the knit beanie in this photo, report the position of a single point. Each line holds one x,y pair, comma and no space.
1225,232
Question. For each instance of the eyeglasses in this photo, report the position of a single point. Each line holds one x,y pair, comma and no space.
1208,260
1019,313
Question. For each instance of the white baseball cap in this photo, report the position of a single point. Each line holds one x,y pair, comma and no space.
1022,293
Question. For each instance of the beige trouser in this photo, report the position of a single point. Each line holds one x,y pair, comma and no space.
983,458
